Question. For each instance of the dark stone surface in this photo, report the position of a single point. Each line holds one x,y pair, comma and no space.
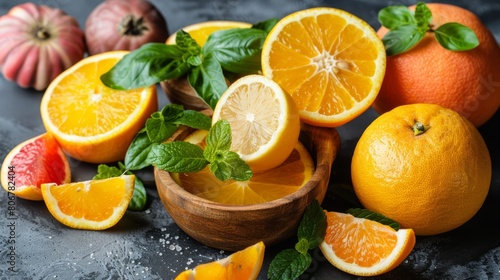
149,245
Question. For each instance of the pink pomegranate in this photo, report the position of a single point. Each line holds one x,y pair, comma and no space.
37,43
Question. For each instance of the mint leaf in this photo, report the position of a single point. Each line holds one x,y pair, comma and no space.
219,136
187,44
138,200
171,112
208,80
367,214
394,16
195,120
313,225
238,50
302,246
229,161
138,151
158,130
221,170
456,37
288,264
147,65
178,156
402,39
423,16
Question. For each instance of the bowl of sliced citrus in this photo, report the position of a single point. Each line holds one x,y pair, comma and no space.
290,162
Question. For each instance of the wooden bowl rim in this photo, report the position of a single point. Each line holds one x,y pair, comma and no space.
324,136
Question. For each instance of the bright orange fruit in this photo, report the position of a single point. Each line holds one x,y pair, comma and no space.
363,247
33,162
331,62
242,265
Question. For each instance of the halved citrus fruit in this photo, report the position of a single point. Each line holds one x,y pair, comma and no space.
364,247
200,31
264,120
92,122
331,62
243,265
92,204
265,186
33,162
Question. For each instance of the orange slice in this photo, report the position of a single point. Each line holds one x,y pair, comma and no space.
93,204
242,265
331,62
364,247
33,162
264,120
200,31
92,122
272,184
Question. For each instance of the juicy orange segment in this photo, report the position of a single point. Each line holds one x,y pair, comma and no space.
331,62
264,120
93,204
245,265
200,31
272,184
33,162
363,247
92,122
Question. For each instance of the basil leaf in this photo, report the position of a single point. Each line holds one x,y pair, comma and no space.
312,227
195,120
456,37
423,16
266,25
288,264
394,16
208,80
178,156
402,39
137,153
370,215
238,50
219,136
151,63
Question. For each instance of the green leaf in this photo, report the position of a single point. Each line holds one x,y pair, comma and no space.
288,264
137,153
313,225
219,136
150,64
221,170
172,112
456,37
402,39
423,16
238,50
178,156
240,170
158,130
187,44
194,119
266,25
302,246
367,214
138,200
208,80
395,16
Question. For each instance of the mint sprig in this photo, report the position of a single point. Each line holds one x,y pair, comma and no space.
180,156
159,127
292,263
235,51
408,28
139,197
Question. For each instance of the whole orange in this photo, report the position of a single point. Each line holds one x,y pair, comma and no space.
465,81
423,165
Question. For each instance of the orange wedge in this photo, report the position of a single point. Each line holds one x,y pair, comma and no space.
92,122
264,120
364,247
93,204
331,62
33,162
242,265
200,31
276,183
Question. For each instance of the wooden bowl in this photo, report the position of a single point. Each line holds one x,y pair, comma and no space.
232,228
179,91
